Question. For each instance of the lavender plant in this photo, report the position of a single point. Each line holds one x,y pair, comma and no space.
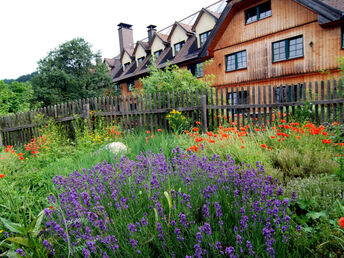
186,206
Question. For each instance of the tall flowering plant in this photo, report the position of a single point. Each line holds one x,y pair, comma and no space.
186,206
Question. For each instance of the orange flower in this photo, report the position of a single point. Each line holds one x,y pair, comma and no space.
273,137
198,123
257,129
221,127
324,133
283,121
341,222
153,136
341,144
195,129
326,141
264,146
186,131
2,175
9,147
242,147
7,150
21,157
159,130
298,137
209,133
51,207
148,132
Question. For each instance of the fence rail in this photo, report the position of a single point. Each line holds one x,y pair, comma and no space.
239,105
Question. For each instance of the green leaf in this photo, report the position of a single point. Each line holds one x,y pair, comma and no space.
37,227
20,240
13,227
317,215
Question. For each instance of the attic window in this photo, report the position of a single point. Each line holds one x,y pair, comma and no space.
203,38
126,65
140,60
178,47
258,12
157,53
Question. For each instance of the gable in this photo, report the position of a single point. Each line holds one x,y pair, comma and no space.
157,44
178,35
125,58
234,30
205,23
140,52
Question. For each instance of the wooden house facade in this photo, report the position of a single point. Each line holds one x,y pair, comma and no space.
252,43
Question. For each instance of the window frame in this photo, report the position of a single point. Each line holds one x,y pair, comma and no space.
200,36
131,86
257,9
140,60
287,49
236,61
181,43
126,65
158,51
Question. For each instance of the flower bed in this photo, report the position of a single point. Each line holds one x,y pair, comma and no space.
185,206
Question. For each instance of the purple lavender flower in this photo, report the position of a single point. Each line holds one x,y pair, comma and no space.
178,233
21,252
198,250
199,237
205,211
133,243
86,253
230,252
250,248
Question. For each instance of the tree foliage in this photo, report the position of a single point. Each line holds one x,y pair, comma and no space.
15,97
71,71
173,78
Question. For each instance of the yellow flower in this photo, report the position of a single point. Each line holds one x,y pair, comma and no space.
1,231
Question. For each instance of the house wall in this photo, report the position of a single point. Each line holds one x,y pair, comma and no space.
124,87
157,45
177,36
206,23
321,46
140,52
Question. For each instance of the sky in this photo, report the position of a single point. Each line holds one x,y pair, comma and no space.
30,29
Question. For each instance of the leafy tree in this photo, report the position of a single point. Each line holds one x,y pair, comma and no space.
173,78
71,71
15,97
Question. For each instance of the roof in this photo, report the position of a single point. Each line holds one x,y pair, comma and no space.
336,4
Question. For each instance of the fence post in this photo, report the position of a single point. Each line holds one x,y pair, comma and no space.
87,115
1,143
204,113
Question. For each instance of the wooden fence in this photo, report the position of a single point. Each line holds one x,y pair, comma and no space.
239,105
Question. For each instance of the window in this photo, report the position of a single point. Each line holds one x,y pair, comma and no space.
287,49
157,53
140,60
236,61
178,47
203,38
281,93
258,12
238,98
196,69
117,88
131,86
126,65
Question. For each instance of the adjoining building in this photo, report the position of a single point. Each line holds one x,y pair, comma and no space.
251,42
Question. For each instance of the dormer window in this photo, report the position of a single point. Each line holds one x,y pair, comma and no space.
157,53
258,12
203,37
126,65
178,47
140,60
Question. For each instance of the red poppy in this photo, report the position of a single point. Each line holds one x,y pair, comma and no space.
2,175
148,132
159,130
198,123
341,222
273,137
242,147
21,157
264,146
195,129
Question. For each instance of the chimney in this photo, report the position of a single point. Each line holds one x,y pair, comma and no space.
125,34
151,30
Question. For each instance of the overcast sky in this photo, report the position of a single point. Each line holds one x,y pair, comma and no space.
29,29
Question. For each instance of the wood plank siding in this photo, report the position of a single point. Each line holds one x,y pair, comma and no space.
321,46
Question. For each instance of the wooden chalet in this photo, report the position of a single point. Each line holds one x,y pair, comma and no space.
252,43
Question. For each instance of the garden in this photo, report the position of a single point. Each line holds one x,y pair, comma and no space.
236,191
